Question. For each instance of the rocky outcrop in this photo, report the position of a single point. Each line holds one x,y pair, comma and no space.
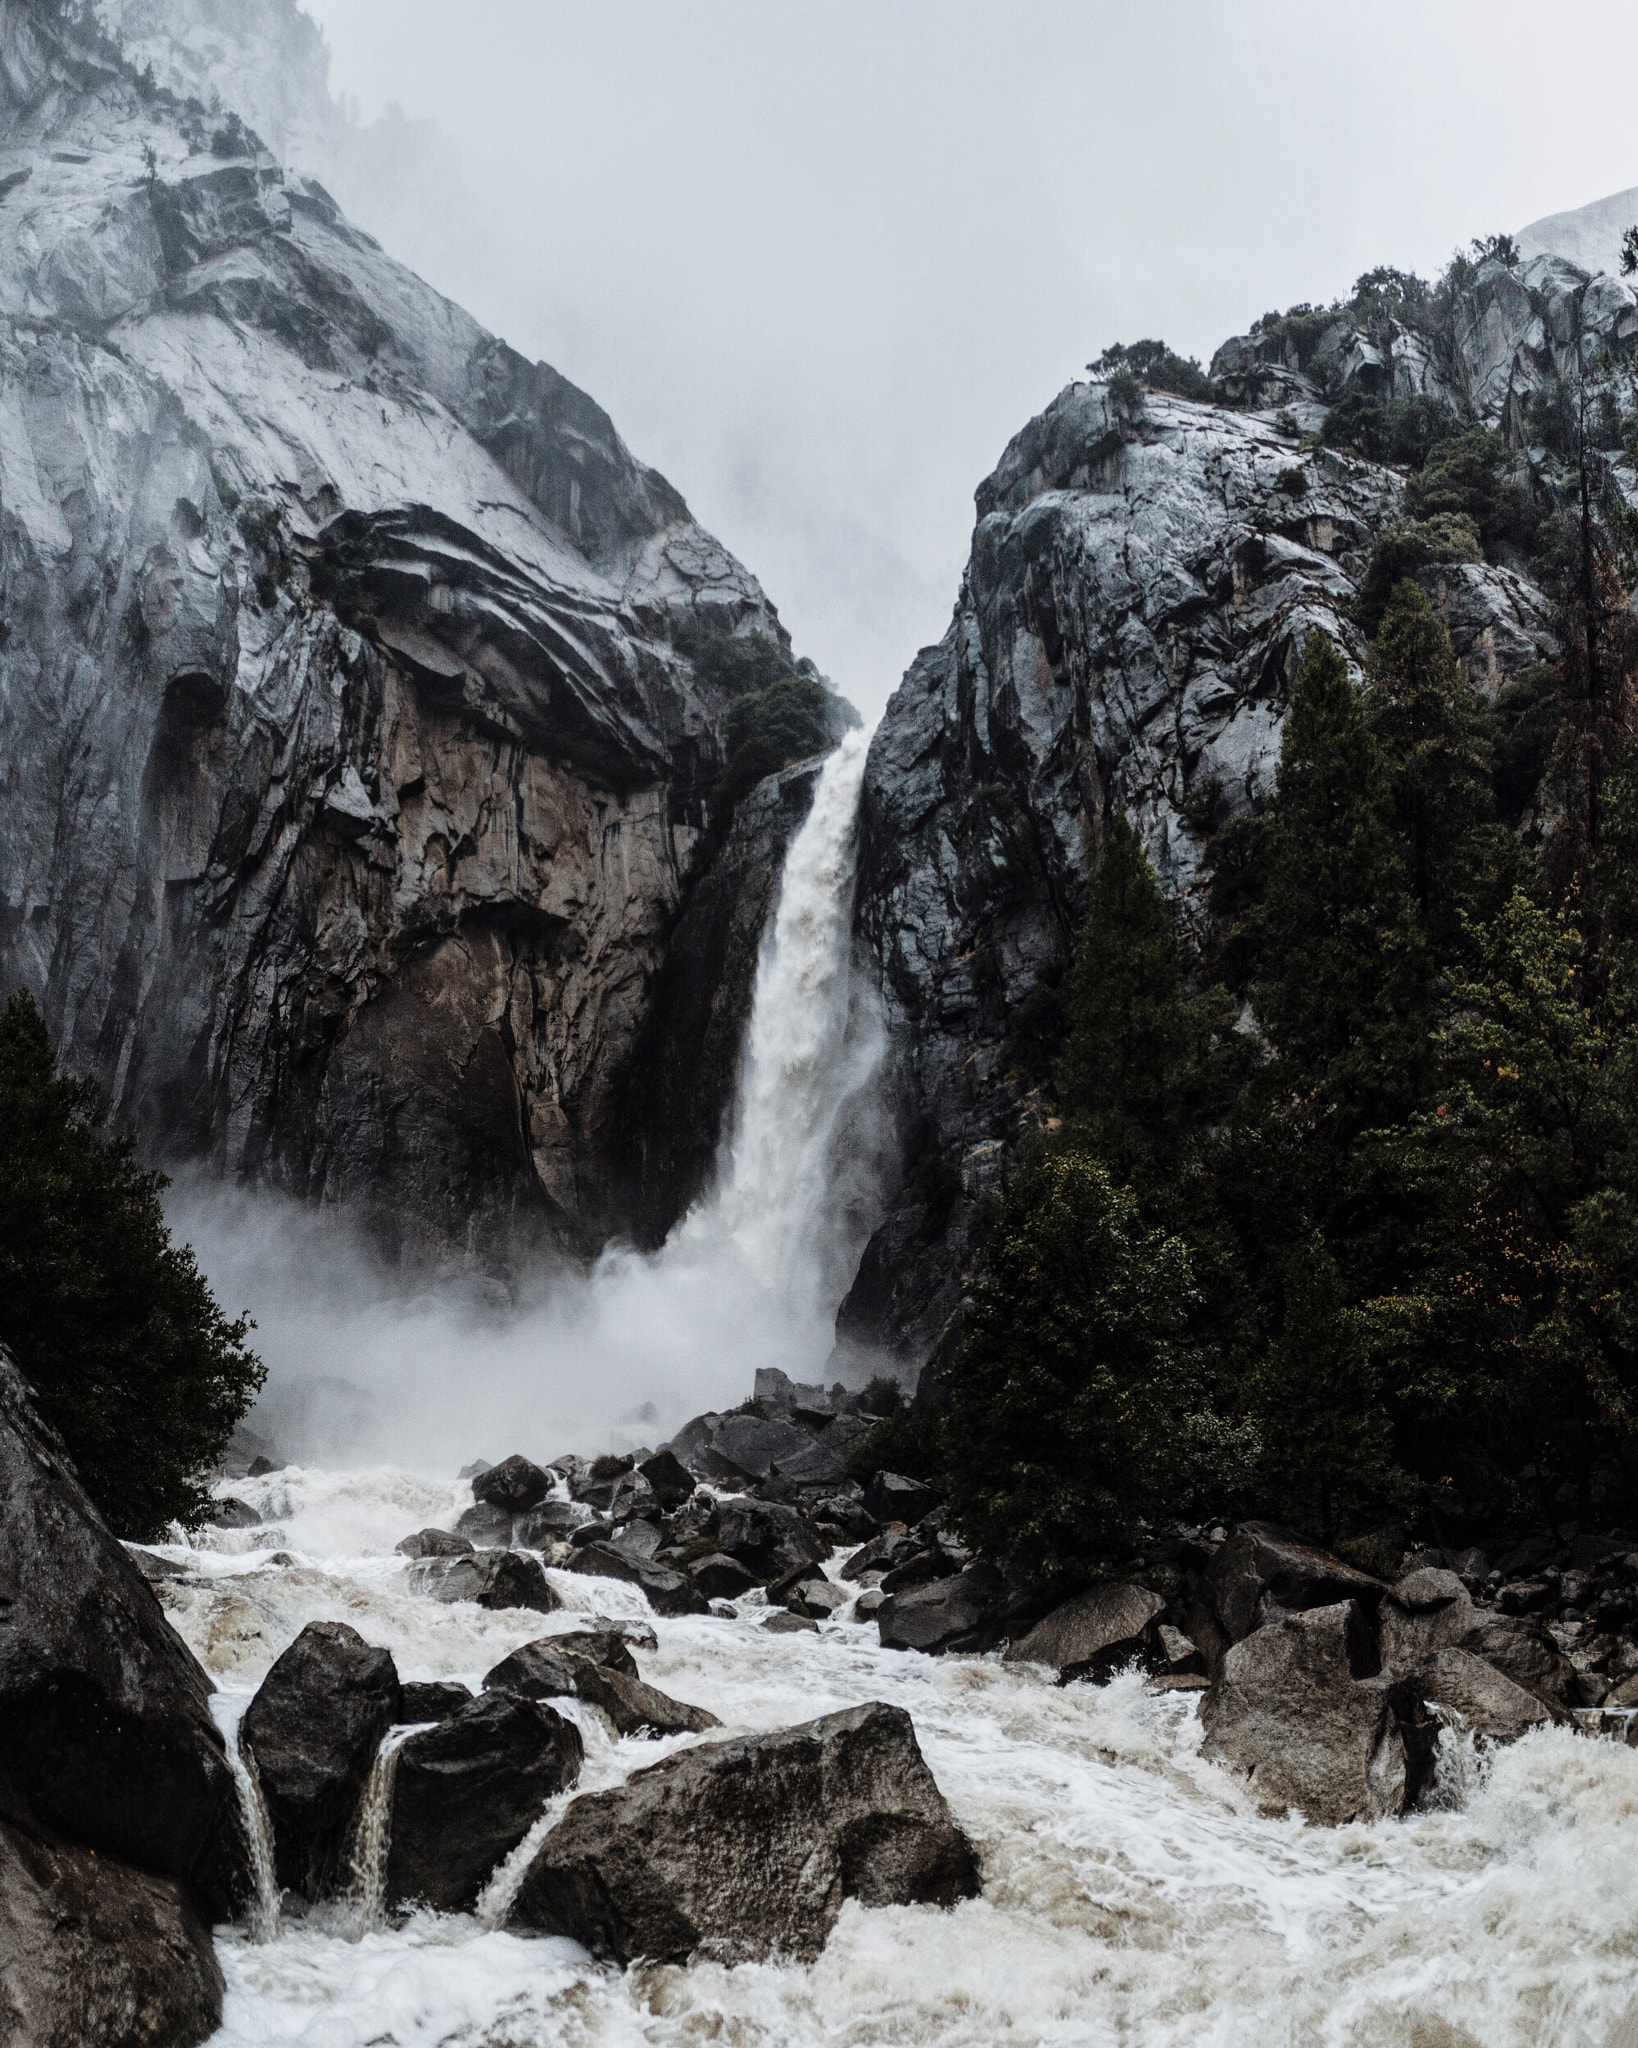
351,779
1144,575
106,1735
1091,1634
744,1849
491,1578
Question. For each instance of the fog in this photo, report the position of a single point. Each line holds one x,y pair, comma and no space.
821,259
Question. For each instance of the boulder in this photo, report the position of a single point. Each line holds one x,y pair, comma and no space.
490,1528
668,1591
1092,1634
824,1460
313,1730
767,1538
232,1513
1485,1701
782,1623
931,1561
492,1578
1430,1610
514,1484
669,1477
96,1954
465,1793
722,1578
554,1521
606,1646
106,1733
743,1849
810,1594
537,1671
881,1554
963,1613
843,1515
753,1448
891,1497
549,1670
1176,1655
638,1539
869,1603
434,1543
433,1700
1264,1570
1296,1710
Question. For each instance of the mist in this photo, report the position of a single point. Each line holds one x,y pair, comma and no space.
822,260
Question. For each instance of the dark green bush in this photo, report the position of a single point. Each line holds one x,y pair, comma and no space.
1476,476
113,1324
767,730
1399,551
1154,364
1398,430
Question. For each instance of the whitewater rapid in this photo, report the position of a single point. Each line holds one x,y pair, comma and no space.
1131,1894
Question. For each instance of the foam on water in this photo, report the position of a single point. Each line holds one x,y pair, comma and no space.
1131,1894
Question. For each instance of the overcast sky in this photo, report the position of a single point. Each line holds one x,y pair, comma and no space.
821,258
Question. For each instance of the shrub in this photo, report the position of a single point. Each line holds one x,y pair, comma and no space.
1154,364
113,1324
1399,551
1399,430
1476,476
767,730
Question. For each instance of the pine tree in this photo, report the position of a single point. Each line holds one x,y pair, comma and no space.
1142,1066
113,1324
1434,734
1328,1463
1341,963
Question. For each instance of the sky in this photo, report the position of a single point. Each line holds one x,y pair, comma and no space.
821,259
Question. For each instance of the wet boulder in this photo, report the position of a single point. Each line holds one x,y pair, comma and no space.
824,1460
738,1850
633,1708
489,1527
1091,1634
1481,1698
668,1592
809,1593
638,1539
431,1700
554,1521
514,1484
434,1543
95,1952
767,1537
1430,1611
1264,1570
491,1578
231,1513
1299,1710
891,1497
720,1577
967,1612
465,1793
669,1478
881,1554
606,1646
105,1723
313,1730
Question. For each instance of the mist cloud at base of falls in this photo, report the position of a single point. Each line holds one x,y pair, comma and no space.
365,1365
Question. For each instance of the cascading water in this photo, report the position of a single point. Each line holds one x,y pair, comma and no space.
265,1915
372,1836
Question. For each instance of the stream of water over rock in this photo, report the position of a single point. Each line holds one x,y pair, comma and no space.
1132,1894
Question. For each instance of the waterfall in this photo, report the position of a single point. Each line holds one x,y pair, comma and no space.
265,1915
372,1836
812,1048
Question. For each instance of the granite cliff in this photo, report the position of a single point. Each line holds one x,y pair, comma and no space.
1144,573
352,777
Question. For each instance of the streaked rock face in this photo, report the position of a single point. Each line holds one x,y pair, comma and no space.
350,778
1141,584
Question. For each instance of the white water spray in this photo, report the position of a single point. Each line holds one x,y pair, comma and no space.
265,1916
372,1836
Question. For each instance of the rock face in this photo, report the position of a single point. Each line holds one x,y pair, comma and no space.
313,1729
92,1951
351,778
744,1849
106,1735
1142,581
1299,1711
467,1792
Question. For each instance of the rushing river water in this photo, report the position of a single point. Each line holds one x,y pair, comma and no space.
1131,1894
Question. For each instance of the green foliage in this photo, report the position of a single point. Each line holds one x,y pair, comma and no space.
1475,476
1629,252
1436,736
910,1440
112,1323
1141,1068
736,664
1078,1408
1153,364
767,730
1400,430
1401,550
1317,1397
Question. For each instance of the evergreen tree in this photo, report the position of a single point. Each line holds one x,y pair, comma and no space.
112,1323
1328,1464
1341,964
1434,735
1076,1404
1142,1066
